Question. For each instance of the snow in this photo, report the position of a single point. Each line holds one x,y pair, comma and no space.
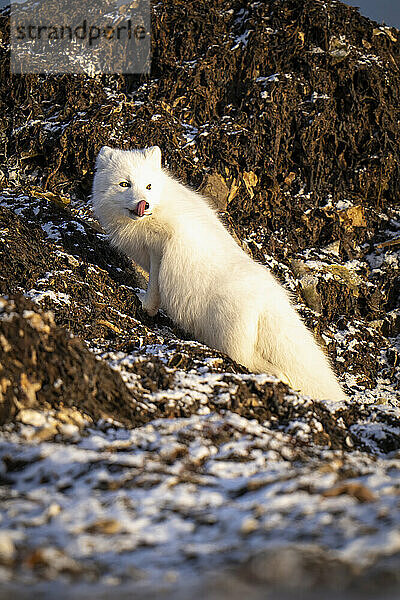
147,498
57,297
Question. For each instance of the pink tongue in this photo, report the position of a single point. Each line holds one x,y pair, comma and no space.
140,208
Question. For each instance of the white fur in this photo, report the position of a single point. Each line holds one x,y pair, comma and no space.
201,277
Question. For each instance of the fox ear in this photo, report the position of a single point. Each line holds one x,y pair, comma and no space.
154,154
104,155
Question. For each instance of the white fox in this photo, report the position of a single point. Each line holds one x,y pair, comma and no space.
200,276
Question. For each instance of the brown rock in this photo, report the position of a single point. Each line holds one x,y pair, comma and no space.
355,490
106,526
214,187
353,217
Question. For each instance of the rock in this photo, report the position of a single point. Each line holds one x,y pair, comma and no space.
331,288
309,291
308,285
248,526
346,276
5,344
44,434
7,548
106,526
355,490
51,560
353,217
215,188
381,325
53,510
69,431
171,453
333,248
31,417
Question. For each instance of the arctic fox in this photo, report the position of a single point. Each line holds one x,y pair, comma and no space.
200,276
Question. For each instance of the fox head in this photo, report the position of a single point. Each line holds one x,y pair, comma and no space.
127,184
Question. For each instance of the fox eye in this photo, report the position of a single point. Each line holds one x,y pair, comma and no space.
125,184
148,187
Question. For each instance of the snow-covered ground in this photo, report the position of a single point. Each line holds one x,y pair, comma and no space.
170,500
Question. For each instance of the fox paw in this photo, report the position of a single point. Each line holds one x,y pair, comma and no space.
151,310
147,306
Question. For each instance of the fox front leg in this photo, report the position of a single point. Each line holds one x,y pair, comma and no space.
151,298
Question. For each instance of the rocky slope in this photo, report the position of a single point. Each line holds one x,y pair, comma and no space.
134,458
